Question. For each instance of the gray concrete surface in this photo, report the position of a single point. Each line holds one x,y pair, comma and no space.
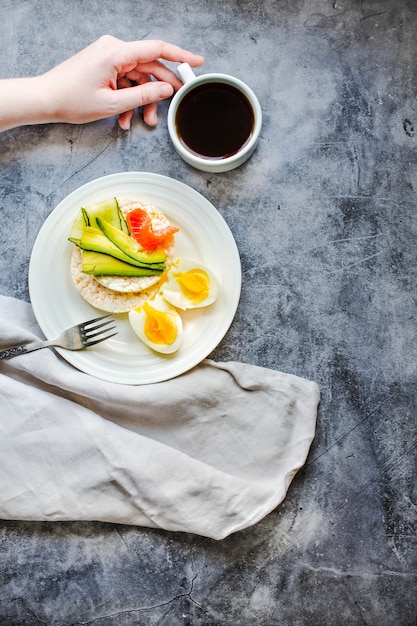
324,216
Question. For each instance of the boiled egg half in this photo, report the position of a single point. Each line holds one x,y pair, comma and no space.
158,325
189,284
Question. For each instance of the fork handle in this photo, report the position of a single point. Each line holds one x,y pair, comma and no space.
17,350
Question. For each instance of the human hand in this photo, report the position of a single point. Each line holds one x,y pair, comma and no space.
112,77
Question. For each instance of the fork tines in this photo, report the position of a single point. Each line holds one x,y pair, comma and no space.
92,329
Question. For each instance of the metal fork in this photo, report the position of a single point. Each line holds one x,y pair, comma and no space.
76,337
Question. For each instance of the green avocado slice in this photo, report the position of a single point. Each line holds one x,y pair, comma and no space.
77,229
97,263
128,245
95,240
108,210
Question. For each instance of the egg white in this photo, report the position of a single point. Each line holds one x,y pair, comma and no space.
173,293
138,318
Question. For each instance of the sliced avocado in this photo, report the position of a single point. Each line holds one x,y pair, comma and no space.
107,210
97,263
77,229
85,216
123,224
128,245
95,240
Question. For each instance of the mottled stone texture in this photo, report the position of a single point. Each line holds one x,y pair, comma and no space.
324,215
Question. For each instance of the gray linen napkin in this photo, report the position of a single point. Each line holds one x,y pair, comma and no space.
210,452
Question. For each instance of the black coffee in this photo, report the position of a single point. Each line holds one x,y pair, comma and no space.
214,120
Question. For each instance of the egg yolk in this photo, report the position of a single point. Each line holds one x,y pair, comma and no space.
160,326
195,284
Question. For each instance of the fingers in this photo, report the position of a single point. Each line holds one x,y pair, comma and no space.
146,95
150,114
149,110
138,62
156,69
149,50
125,119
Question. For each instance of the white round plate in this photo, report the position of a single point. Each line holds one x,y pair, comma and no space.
203,235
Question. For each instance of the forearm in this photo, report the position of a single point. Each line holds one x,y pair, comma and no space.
23,101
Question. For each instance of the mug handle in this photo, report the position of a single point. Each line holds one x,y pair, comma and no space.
185,73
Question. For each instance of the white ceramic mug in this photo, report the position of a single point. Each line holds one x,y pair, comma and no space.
248,120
